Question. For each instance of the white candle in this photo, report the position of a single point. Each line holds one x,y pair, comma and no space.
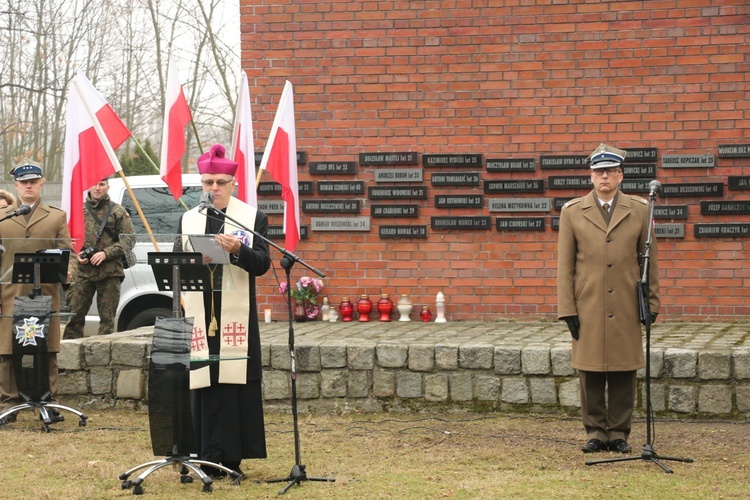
268,315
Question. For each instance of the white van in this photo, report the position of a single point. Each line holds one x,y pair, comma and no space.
140,300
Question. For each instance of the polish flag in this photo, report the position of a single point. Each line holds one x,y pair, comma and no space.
176,118
280,160
93,131
243,149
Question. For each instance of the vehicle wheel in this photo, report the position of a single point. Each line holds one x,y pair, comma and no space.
148,317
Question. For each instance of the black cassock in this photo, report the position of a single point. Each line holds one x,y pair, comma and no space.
228,418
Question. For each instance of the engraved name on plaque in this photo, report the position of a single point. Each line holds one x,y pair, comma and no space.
400,193
398,232
398,175
734,150
375,159
332,167
514,186
340,223
332,206
455,179
519,223
520,205
452,160
380,211
442,223
341,187
688,161
459,201
511,165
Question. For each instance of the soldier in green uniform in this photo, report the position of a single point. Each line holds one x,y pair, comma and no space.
100,267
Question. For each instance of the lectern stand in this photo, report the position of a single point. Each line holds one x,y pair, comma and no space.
170,417
30,329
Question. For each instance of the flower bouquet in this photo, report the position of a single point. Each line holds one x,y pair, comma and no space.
306,290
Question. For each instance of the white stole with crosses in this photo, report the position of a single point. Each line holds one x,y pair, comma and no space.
235,306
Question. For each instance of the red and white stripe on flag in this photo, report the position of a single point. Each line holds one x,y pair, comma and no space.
243,149
93,131
173,145
280,160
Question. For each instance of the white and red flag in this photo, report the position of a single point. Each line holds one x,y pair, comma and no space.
280,160
243,149
93,131
176,119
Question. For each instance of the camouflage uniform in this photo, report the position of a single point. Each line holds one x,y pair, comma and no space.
105,278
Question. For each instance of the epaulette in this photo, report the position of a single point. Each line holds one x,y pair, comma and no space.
574,201
638,198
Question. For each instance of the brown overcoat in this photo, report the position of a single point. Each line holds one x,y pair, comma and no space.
598,274
47,228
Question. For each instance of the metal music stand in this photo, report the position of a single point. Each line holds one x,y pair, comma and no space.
30,326
170,417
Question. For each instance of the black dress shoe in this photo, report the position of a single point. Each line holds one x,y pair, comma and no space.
593,446
620,446
54,416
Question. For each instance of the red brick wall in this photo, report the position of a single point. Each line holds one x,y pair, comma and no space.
523,80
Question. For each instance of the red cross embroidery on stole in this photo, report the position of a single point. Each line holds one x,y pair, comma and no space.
234,334
198,342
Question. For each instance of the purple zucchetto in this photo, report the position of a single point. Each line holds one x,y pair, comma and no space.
215,162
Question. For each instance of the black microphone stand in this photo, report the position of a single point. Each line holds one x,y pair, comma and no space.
298,473
644,306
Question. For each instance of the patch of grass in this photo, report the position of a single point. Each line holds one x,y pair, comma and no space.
414,455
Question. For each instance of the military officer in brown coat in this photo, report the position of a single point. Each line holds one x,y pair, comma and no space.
601,239
44,227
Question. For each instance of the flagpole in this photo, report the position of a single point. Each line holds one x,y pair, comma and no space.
158,171
113,158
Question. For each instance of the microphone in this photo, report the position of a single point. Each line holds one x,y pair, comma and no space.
653,188
207,199
22,210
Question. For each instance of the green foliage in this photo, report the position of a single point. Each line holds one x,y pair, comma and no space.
138,163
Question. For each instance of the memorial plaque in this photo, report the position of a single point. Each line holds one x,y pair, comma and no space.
734,150
398,175
519,204
558,202
455,179
459,201
301,158
438,223
407,232
670,211
341,187
340,223
739,182
332,167
452,160
277,232
688,161
644,170
514,186
555,223
332,206
519,223
305,187
725,207
705,189
511,165
397,193
375,159
380,211
669,230
728,230
271,207
563,161
640,155
635,186
570,182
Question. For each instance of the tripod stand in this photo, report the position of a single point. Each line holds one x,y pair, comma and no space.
648,453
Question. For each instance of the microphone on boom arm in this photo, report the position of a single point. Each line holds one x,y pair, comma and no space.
653,188
22,210
207,200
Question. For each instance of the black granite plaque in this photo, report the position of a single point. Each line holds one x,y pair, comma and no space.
688,161
643,170
305,187
728,230
562,161
341,187
459,201
340,224
511,165
558,202
698,189
519,223
397,193
455,179
514,186
301,158
380,211
519,205
640,155
277,232
554,223
271,207
739,182
734,150
570,182
438,223
452,160
332,206
398,175
634,186
670,212
725,207
375,159
332,167
403,232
